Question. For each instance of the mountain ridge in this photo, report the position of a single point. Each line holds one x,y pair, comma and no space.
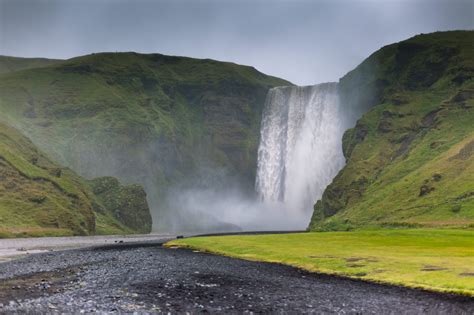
161,120
151,119
418,95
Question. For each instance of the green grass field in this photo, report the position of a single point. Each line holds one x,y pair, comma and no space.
438,260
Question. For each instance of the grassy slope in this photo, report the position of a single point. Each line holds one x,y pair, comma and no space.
39,198
439,260
12,64
148,119
410,158
124,97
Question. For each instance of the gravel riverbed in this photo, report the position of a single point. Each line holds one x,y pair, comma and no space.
147,278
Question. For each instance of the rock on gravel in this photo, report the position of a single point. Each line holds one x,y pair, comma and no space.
147,278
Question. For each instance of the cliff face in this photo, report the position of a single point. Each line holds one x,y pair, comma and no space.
409,158
38,197
159,120
127,203
150,119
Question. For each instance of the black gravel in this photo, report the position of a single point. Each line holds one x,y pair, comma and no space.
151,279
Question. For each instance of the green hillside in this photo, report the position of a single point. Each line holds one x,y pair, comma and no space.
410,157
38,197
159,120
149,119
12,64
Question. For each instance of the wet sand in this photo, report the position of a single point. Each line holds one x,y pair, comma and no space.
19,247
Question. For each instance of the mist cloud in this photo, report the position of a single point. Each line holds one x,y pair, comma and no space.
306,42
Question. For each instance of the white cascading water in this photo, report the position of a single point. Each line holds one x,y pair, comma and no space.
300,148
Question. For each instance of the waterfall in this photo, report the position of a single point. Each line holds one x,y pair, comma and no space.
300,148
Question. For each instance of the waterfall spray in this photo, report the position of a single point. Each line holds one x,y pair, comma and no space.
300,148
300,152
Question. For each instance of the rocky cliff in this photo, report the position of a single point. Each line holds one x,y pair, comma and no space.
150,119
38,197
410,156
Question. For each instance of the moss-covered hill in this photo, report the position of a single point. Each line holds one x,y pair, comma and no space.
410,158
12,64
38,197
148,119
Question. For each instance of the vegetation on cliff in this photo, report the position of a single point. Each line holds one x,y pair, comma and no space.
148,119
410,157
12,64
38,197
159,120
127,203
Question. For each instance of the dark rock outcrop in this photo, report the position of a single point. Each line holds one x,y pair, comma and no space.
128,204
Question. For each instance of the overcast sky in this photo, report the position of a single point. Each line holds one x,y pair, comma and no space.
305,42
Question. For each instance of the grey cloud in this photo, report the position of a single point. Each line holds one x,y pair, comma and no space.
305,42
